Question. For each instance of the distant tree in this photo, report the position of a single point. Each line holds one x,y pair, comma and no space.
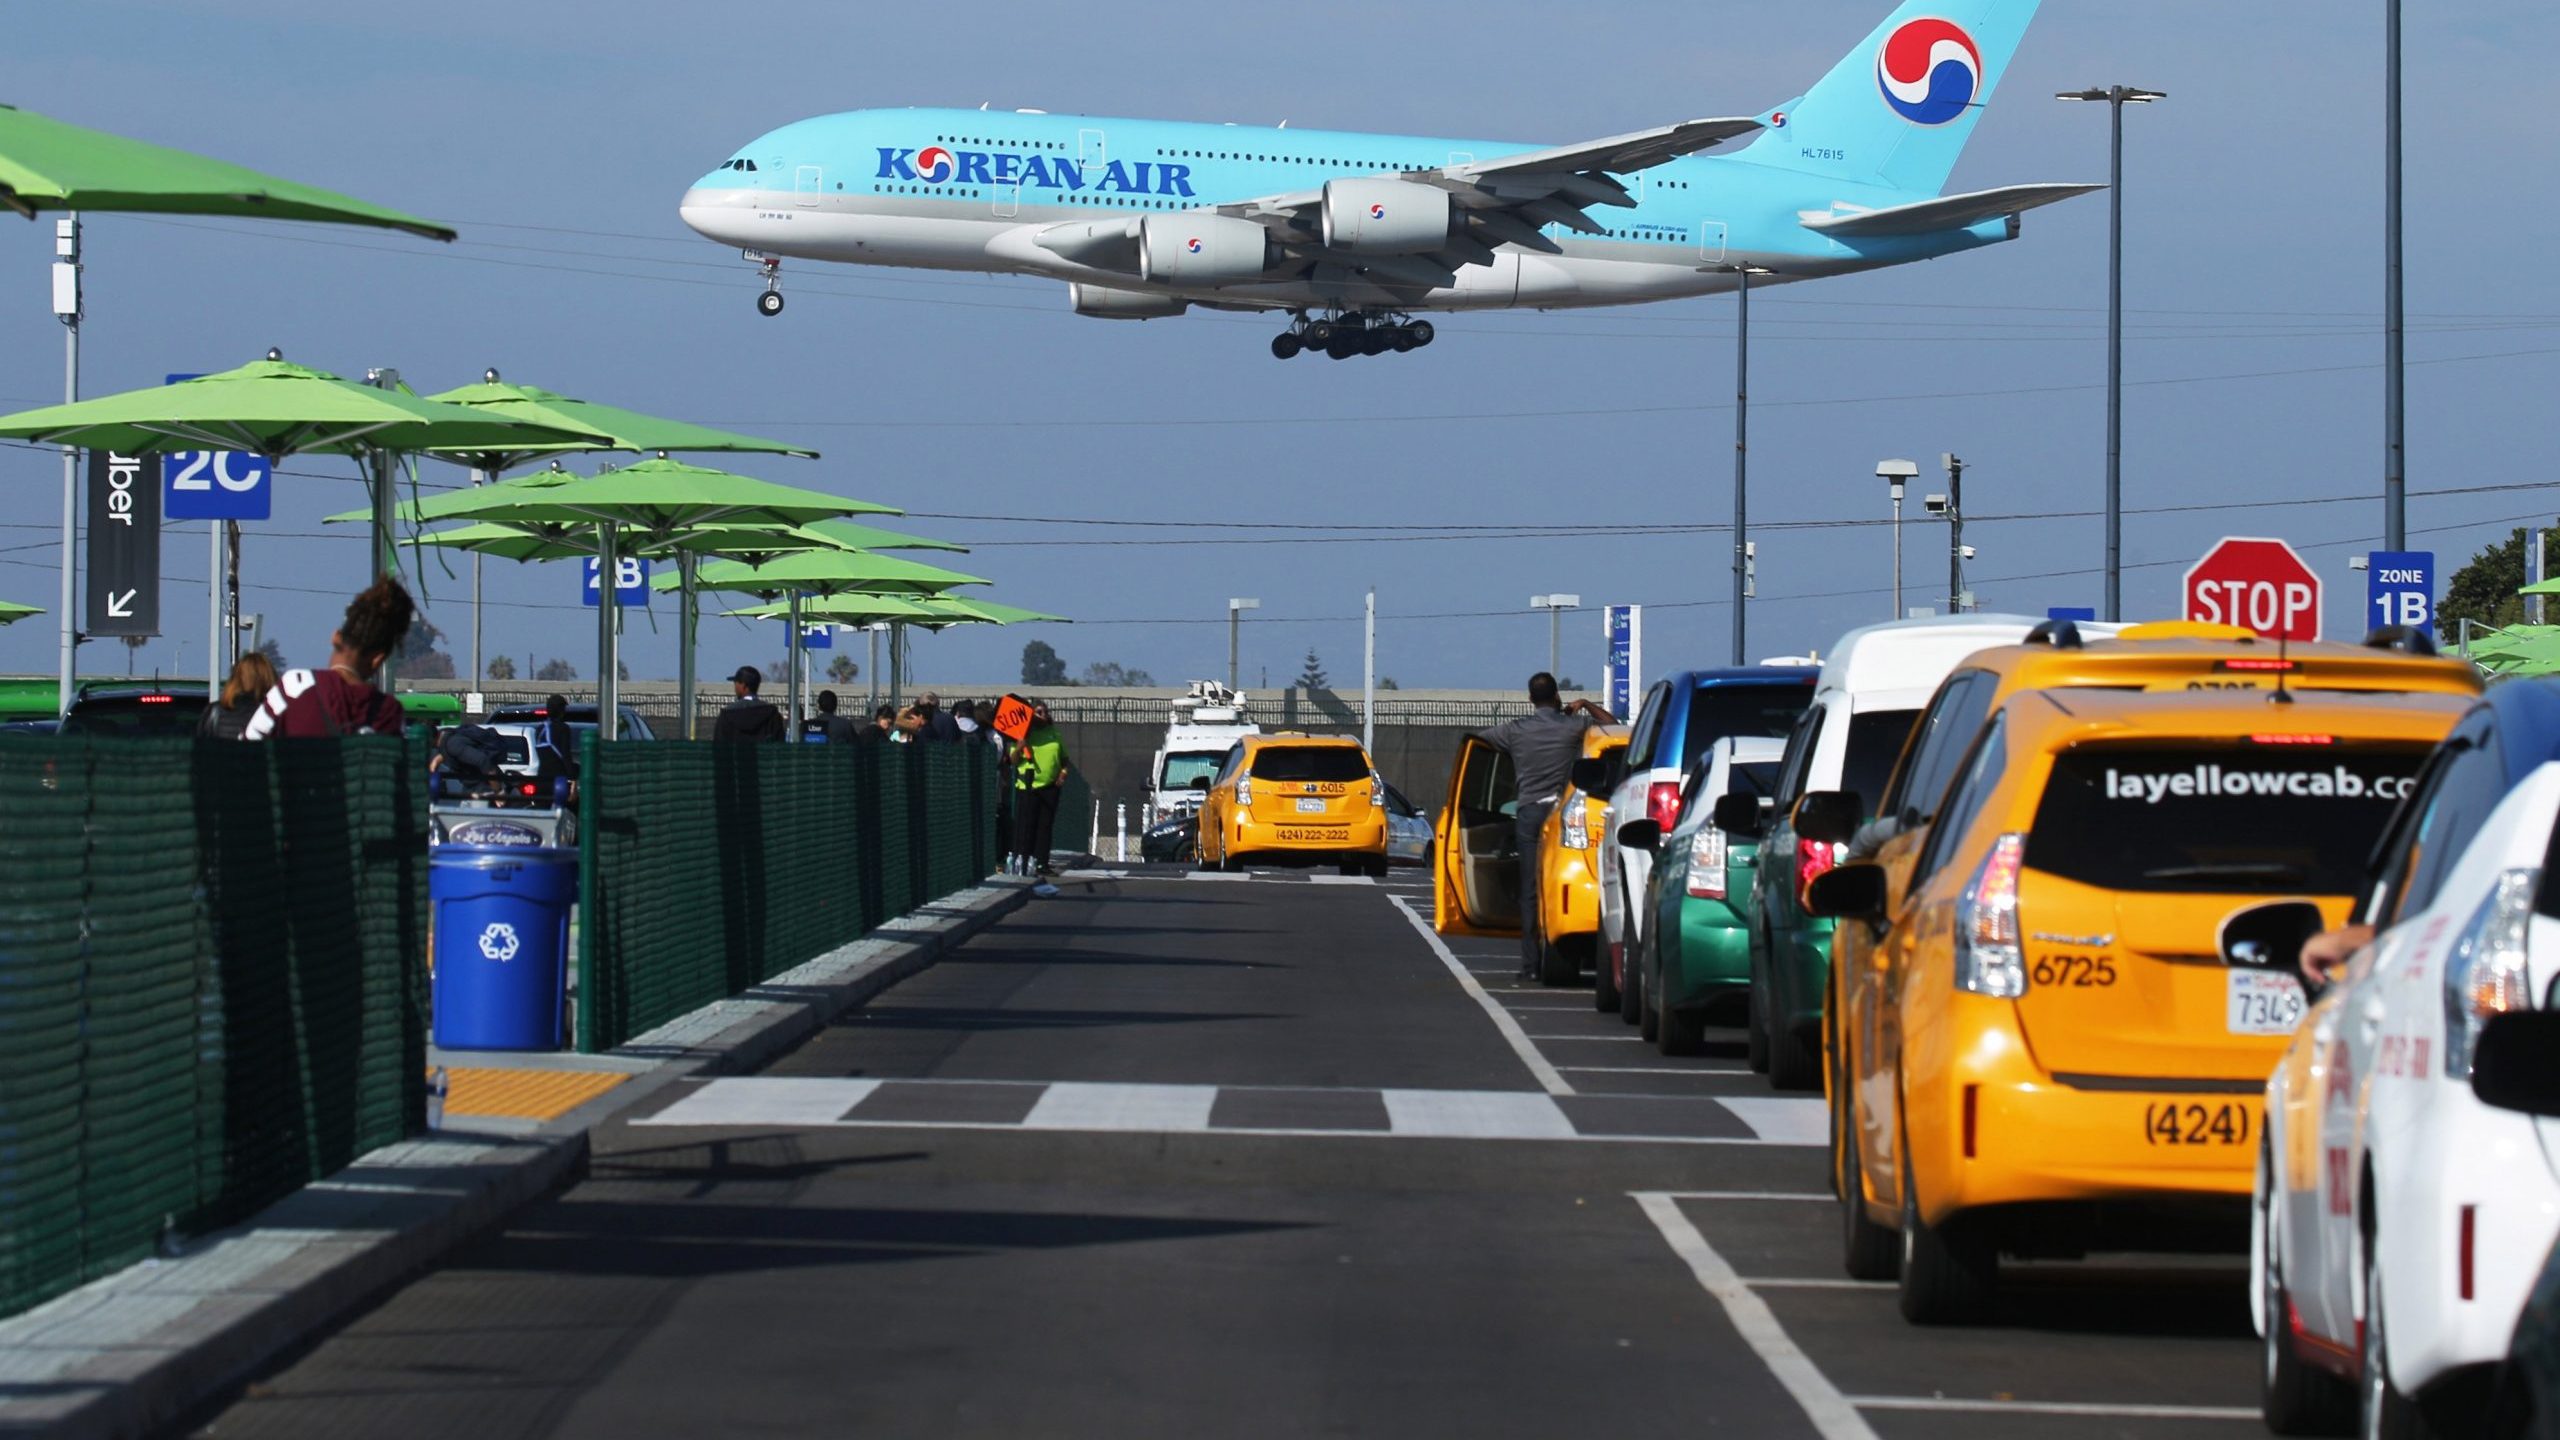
274,654
1567,683
2485,590
1388,682
418,658
1312,677
133,647
842,670
556,669
502,667
1112,672
1041,665
622,669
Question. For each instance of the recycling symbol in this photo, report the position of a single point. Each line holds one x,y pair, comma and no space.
498,942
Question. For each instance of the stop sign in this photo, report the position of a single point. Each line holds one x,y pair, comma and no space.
2260,585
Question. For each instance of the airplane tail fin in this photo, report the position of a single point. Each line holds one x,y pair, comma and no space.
1898,110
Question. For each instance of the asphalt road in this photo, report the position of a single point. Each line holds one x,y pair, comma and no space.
1236,1157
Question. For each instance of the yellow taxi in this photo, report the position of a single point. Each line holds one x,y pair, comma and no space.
2174,657
2053,1049
1300,799
1569,864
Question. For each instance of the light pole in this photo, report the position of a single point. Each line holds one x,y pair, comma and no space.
1555,606
1956,552
1235,618
1896,474
2115,98
1742,553
2395,437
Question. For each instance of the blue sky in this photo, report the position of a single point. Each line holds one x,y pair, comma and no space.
558,137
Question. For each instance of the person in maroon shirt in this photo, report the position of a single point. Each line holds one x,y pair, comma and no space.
341,700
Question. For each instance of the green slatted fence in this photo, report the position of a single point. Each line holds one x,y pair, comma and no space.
710,868
212,986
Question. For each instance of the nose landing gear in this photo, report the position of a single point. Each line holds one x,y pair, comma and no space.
769,303
1353,333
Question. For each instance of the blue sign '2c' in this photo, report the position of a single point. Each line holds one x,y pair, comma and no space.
630,580
2400,589
215,484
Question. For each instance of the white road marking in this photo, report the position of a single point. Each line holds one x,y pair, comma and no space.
1340,880
1476,1115
767,1100
1783,1121
1547,1075
1613,1039
1807,1198
1215,875
2053,1407
1832,1415
1758,1282
1662,1070
1075,1105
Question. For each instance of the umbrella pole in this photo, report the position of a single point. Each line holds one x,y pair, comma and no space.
385,539
608,599
897,665
792,658
873,630
478,478
686,618
67,253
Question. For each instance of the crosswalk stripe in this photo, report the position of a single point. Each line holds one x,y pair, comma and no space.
1082,1105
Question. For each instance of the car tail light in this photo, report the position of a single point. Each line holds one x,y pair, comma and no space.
1377,790
2485,975
1706,864
1244,789
529,787
1662,805
1989,960
1574,833
154,699
2470,1248
1813,859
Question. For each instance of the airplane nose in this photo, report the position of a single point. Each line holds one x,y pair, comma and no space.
722,215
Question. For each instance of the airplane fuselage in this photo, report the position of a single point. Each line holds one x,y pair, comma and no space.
970,189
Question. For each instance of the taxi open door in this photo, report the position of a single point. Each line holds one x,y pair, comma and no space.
1474,864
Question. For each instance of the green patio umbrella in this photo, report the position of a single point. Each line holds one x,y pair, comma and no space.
273,408
48,164
871,612
657,501
11,614
825,573
963,609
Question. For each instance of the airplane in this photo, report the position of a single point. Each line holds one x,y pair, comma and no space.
1357,235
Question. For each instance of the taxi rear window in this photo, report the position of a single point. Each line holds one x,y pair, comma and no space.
2231,820
1309,762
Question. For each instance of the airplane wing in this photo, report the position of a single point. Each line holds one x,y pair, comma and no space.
1948,212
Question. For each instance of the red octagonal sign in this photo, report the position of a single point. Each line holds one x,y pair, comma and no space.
2260,585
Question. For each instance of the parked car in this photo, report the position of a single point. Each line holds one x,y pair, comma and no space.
1849,738
2059,1046
131,709
1681,716
1296,798
1692,957
1408,831
1568,844
2517,1067
2392,1202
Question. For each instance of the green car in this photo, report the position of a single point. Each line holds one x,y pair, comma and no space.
1694,953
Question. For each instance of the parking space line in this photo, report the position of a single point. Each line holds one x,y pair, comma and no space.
1771,1282
1546,1073
1657,1070
1830,1412
2053,1407
1615,1039
1809,1199
1793,1121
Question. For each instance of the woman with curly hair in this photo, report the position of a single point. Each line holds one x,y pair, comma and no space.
341,700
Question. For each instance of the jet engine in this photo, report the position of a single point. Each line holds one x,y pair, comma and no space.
1385,217
1202,249
1104,303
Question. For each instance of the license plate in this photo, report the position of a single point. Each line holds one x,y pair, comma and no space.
2264,1003
1313,835
1310,806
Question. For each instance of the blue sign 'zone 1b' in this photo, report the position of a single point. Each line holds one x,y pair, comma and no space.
630,580
2400,589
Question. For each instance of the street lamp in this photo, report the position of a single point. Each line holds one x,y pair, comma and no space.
1896,474
2395,435
2115,98
1235,617
1555,606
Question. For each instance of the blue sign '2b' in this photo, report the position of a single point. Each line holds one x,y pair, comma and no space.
2400,589
630,580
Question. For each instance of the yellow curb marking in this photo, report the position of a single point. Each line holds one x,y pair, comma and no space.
524,1094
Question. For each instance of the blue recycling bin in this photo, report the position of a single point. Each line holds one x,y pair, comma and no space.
501,944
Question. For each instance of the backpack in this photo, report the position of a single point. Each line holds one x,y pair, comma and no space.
472,752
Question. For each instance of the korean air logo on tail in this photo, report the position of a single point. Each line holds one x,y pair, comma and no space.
1930,71
933,163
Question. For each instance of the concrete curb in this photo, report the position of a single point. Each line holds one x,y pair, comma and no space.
131,1353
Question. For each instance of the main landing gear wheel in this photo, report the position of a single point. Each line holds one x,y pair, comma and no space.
1286,345
769,303
1319,334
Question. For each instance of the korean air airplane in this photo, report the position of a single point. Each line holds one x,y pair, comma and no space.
1354,235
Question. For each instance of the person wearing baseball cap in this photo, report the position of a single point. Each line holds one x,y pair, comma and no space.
748,718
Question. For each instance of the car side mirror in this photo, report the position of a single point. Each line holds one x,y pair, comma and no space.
2271,937
2515,1065
1848,892
1739,815
1592,777
1200,783
1832,816
1643,835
